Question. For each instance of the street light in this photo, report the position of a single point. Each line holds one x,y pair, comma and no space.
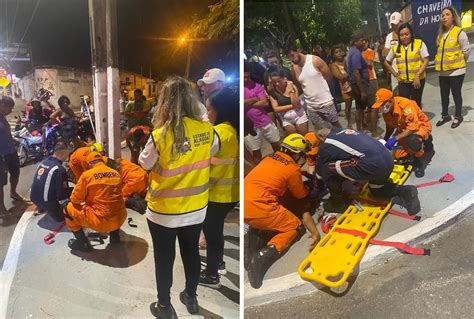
387,14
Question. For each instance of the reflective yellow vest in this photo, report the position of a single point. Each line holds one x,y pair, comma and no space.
179,183
449,55
409,61
224,181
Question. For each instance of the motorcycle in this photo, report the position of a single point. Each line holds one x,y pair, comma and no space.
30,144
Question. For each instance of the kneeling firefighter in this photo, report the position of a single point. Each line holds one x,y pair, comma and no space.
276,199
97,203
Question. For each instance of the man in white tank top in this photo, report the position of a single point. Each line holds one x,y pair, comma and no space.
313,74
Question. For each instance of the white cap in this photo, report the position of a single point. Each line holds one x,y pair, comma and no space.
395,18
211,76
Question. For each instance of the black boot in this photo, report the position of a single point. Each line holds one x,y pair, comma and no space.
409,198
80,243
190,302
418,167
259,264
115,237
164,312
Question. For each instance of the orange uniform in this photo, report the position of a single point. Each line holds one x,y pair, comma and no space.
407,115
369,55
265,185
134,179
96,201
78,163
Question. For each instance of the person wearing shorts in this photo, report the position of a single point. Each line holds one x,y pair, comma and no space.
9,162
286,103
359,76
255,100
313,74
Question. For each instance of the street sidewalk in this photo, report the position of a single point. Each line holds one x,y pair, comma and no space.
110,282
454,154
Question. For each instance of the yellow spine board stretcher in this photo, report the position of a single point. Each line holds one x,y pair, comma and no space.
335,256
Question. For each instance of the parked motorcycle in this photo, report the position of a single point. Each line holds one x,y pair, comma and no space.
30,144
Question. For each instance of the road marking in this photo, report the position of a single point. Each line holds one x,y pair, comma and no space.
11,260
292,285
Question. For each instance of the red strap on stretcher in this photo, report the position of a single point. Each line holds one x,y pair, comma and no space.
403,215
398,245
446,178
49,239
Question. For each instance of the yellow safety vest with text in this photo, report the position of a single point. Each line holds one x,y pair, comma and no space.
449,55
409,60
224,180
179,183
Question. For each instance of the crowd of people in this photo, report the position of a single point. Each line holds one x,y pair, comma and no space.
280,195
183,176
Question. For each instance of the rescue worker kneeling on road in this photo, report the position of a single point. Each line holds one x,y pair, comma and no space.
345,154
276,201
50,191
134,183
77,159
412,125
96,203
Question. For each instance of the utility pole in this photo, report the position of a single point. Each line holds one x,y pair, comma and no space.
97,25
113,81
377,4
188,60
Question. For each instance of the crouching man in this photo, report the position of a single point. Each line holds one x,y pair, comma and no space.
275,202
96,203
50,191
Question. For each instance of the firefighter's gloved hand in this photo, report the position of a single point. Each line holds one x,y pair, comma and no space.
391,143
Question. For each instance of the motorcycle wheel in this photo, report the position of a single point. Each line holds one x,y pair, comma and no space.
22,154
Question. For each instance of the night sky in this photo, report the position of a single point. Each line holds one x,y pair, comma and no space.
59,35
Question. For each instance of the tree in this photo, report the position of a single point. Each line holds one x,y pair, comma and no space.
272,24
222,22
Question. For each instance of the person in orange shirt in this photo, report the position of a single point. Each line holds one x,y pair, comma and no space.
369,55
77,160
96,202
274,196
136,139
312,154
413,128
134,183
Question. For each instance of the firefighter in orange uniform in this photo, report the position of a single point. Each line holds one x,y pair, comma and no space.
77,159
96,203
412,125
134,185
274,195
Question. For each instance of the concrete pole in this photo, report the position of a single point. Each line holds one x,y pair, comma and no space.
377,4
113,81
188,60
99,64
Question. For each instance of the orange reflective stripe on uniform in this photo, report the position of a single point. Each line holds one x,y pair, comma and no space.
170,193
182,169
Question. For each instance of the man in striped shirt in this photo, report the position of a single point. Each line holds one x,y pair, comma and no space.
50,190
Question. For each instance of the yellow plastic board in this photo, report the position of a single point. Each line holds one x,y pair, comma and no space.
335,256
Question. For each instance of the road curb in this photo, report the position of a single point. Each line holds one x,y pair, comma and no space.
291,285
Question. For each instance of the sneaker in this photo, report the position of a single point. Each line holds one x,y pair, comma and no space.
76,244
165,312
221,268
191,303
444,120
209,281
457,121
409,198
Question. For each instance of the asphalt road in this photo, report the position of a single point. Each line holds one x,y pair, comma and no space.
436,286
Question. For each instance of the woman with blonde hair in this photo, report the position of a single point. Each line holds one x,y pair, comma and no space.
450,61
178,157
